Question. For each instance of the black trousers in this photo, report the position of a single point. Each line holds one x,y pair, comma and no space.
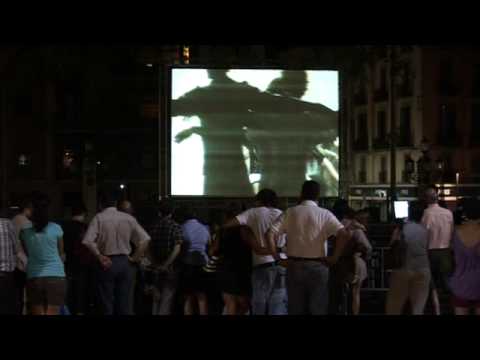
7,294
81,297
20,280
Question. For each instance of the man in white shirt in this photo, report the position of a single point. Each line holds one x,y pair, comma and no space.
108,237
269,295
308,227
440,225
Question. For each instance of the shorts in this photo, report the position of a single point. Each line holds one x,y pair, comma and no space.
237,283
46,291
464,303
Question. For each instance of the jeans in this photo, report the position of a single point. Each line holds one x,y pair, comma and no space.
269,295
164,291
114,285
307,287
7,294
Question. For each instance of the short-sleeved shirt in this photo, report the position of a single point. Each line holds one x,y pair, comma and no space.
416,238
439,223
260,219
111,231
308,228
42,250
196,238
166,233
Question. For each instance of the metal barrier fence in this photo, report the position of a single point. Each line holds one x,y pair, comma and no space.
378,275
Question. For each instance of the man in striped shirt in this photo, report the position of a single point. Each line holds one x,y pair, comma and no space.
7,266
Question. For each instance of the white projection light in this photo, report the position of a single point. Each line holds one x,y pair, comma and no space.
254,178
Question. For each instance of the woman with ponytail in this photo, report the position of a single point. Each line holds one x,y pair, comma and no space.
43,244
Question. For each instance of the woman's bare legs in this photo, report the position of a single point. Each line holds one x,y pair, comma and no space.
202,303
37,310
52,310
188,306
230,304
462,311
356,298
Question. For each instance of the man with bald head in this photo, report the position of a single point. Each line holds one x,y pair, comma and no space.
440,226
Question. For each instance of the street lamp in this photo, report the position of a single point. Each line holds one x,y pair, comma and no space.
393,137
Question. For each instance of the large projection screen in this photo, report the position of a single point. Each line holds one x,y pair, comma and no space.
236,131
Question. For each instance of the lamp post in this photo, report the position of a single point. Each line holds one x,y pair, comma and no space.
393,137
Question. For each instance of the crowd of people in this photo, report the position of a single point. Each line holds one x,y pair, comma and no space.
258,261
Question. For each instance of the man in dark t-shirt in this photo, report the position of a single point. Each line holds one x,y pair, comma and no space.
79,264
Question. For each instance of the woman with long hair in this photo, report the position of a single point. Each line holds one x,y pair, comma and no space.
194,257
43,244
236,266
465,281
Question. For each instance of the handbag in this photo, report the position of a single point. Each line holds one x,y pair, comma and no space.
397,255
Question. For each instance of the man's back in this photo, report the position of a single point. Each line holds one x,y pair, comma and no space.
76,253
439,223
113,231
308,227
259,219
166,233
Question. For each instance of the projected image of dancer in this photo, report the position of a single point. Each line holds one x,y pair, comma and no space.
222,108
286,138
280,131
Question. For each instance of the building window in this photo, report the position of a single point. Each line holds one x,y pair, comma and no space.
360,95
408,168
381,93
447,81
405,89
362,175
476,81
448,125
361,138
475,166
405,127
475,125
381,139
382,175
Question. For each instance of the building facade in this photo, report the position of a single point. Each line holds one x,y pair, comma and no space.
433,96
